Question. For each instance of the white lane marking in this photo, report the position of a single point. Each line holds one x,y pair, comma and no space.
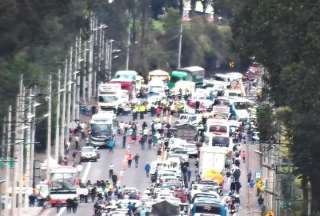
86,172
83,179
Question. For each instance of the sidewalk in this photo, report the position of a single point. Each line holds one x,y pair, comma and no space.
249,199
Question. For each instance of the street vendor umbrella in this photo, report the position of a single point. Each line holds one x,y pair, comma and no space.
213,175
165,208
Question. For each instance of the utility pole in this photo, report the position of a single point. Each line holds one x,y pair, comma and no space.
32,143
57,132
63,114
95,58
91,45
3,140
84,72
106,61
110,59
9,143
21,146
49,126
74,81
128,48
69,83
28,142
180,44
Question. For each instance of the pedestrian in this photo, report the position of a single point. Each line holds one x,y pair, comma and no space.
114,180
150,141
249,175
260,200
147,168
74,155
136,160
189,174
69,205
124,140
142,142
237,186
74,205
129,159
76,138
93,193
111,167
243,156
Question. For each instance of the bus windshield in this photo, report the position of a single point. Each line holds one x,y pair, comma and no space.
63,182
107,98
101,129
220,141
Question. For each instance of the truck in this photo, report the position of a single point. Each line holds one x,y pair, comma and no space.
111,97
211,158
102,127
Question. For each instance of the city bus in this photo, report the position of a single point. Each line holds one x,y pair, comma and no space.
62,184
193,73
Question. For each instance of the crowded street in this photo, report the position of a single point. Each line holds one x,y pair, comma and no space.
157,156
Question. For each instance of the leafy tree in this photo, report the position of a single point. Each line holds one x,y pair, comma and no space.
283,36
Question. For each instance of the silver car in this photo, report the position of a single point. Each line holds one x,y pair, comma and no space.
89,153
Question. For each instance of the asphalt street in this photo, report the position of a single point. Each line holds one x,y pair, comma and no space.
130,177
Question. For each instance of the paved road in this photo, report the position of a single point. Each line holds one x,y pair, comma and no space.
132,177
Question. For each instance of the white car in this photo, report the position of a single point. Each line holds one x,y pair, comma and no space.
191,148
180,153
89,153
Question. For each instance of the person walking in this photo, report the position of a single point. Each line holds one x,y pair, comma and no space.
243,156
129,159
136,160
114,180
189,174
147,168
111,169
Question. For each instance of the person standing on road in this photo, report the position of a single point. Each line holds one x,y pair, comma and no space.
136,159
243,156
129,159
249,175
111,169
147,168
114,180
189,174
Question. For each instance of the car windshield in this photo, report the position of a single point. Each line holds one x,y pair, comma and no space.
107,98
183,117
217,128
234,94
87,149
241,105
153,94
221,102
101,129
157,89
207,209
220,141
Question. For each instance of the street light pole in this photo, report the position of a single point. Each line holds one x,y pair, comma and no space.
57,132
110,58
49,126
63,114
9,142
128,48
180,44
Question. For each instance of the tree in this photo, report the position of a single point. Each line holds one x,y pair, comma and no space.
283,36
